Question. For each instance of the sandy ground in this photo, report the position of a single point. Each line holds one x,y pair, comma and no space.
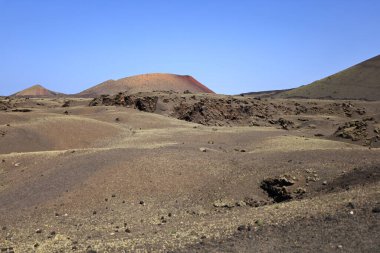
116,179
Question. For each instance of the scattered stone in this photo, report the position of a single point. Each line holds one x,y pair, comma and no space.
285,124
254,123
38,231
241,203
94,212
300,191
324,182
163,220
52,233
113,195
223,203
36,245
277,188
66,103
21,110
127,230
17,164
254,203
142,203
117,119
368,118
259,222
354,130
203,149
66,112
243,228
312,179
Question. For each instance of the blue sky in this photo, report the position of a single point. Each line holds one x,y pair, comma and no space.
230,46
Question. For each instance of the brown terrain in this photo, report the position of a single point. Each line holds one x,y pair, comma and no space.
36,91
147,82
361,81
166,171
171,172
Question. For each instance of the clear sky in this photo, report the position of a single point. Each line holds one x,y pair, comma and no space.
231,46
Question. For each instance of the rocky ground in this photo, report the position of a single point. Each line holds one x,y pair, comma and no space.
169,172
356,121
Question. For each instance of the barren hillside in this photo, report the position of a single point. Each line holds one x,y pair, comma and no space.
147,82
361,81
36,91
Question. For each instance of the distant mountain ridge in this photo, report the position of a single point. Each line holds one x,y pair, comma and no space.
361,81
137,83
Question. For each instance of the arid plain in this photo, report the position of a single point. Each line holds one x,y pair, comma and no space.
182,171
113,178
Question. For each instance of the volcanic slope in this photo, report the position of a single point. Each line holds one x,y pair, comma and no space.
147,82
36,91
361,81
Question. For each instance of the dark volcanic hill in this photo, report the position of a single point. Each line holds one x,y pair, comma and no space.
263,94
36,91
147,82
361,81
